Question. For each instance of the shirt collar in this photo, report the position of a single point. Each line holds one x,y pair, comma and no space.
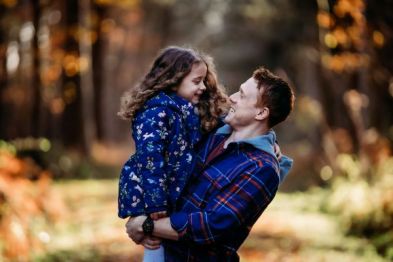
264,142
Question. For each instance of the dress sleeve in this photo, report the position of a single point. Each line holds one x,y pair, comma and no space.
151,134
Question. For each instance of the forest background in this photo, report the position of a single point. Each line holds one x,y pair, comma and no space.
65,64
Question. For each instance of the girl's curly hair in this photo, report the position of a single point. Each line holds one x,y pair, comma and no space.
168,70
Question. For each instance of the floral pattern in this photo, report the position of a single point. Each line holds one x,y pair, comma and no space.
165,132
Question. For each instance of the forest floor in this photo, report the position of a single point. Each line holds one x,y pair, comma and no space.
291,229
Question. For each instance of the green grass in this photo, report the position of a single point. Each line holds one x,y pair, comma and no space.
291,229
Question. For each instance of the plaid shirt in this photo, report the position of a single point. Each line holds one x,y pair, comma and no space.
228,191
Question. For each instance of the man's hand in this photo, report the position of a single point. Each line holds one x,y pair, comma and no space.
277,151
151,242
134,229
162,229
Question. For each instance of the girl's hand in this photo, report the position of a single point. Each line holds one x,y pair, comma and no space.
277,151
158,215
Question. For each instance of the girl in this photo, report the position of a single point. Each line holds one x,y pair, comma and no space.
177,101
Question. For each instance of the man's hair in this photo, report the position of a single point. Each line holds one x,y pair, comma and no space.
275,94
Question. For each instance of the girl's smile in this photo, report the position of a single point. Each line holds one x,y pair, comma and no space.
192,86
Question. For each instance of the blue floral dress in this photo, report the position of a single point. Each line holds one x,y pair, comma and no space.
165,132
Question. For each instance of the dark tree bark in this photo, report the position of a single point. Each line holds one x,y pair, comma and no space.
98,72
72,119
36,79
87,96
3,75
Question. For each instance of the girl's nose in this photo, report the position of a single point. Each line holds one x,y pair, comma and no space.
202,86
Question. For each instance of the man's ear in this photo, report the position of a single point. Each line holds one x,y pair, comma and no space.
262,113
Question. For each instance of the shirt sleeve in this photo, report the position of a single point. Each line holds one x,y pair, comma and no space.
239,203
151,138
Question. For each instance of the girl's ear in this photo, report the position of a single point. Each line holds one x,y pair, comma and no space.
262,113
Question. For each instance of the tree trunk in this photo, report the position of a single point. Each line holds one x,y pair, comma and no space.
72,119
36,80
86,76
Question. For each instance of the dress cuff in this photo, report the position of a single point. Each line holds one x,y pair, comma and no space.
179,222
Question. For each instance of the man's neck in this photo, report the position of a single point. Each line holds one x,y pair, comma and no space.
247,132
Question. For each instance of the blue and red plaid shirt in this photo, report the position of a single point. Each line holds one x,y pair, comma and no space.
228,191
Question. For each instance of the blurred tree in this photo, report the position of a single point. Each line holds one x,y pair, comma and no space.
380,27
84,54
36,79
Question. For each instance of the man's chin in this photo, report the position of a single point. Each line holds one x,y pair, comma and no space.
227,119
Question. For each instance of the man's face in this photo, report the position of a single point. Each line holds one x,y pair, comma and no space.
244,108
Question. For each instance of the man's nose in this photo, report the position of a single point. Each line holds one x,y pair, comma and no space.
232,98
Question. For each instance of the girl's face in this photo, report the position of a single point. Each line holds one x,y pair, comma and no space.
192,86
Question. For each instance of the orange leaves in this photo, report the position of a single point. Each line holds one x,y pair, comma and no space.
343,30
352,7
378,39
324,19
16,241
119,3
22,202
346,61
9,165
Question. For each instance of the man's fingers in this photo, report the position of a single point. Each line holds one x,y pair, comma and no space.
150,246
152,240
277,151
136,240
151,243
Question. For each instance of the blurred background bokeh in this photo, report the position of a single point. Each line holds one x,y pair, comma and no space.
65,64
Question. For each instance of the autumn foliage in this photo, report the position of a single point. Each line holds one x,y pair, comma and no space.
27,205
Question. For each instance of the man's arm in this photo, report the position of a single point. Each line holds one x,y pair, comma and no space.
162,229
244,199
238,204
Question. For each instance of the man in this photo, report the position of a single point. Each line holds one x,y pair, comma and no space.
235,178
